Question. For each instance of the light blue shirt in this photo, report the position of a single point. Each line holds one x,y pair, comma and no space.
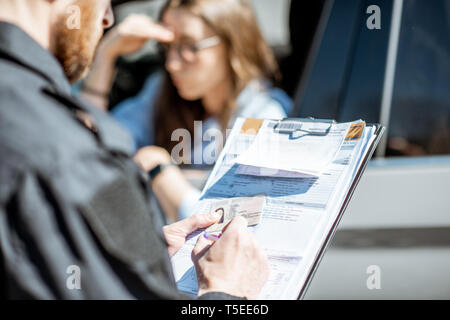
257,100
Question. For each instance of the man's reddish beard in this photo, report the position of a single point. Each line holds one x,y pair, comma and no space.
75,48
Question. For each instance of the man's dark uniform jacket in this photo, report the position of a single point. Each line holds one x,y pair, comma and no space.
70,193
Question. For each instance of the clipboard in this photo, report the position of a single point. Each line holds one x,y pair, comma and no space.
226,182
292,125
379,131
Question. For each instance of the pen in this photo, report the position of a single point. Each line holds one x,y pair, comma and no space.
210,236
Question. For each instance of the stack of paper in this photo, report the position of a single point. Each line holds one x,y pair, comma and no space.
305,181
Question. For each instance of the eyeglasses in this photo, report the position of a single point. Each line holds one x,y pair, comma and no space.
188,51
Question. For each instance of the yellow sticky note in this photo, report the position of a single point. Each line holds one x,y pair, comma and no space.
251,126
355,131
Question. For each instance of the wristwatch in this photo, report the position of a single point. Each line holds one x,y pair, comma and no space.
153,173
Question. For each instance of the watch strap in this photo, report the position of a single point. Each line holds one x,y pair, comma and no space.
153,173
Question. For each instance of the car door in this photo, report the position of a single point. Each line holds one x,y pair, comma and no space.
394,239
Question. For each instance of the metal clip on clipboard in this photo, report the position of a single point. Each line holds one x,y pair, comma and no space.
304,126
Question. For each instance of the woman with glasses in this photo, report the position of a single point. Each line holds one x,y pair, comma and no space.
217,67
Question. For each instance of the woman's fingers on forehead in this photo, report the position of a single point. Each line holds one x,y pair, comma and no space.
186,25
161,33
143,26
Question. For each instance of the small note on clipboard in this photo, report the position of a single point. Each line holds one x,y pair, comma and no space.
296,146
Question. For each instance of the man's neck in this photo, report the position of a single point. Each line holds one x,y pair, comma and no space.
33,17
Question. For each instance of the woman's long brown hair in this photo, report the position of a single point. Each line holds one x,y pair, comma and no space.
249,56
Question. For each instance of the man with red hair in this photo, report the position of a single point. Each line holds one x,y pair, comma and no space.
75,219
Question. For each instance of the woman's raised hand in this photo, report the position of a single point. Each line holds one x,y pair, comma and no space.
131,35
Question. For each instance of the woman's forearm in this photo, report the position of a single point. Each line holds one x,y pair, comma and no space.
128,37
170,188
97,85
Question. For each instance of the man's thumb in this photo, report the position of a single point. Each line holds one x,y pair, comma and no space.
199,221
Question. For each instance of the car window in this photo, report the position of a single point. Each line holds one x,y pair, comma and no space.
420,112
345,78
